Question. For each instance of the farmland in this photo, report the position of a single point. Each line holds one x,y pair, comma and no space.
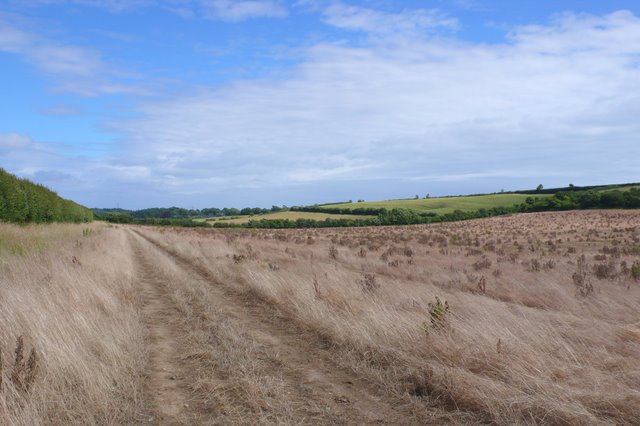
286,215
441,205
529,318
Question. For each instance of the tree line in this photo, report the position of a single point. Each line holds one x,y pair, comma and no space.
181,213
22,201
318,208
563,200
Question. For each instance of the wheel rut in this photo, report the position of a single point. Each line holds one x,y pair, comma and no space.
166,394
300,357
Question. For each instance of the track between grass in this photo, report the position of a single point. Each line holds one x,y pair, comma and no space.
317,390
166,393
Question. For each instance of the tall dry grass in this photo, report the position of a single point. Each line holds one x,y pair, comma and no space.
523,342
235,382
69,296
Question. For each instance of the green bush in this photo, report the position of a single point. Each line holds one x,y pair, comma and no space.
635,271
22,201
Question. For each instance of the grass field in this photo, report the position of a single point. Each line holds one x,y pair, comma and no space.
290,216
442,205
521,319
72,342
622,189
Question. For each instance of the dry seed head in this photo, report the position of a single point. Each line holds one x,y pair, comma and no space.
32,366
18,366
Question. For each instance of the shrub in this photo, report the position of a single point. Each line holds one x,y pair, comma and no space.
635,271
369,283
583,286
605,270
24,372
482,285
437,315
333,252
483,263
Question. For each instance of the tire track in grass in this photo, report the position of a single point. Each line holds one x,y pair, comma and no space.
166,393
321,391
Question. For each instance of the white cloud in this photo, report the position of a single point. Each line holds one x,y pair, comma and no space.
238,10
51,57
115,6
75,69
617,33
374,21
11,39
65,60
13,141
227,10
60,110
556,100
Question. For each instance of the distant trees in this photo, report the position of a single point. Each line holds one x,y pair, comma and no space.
570,198
22,201
539,188
591,199
180,213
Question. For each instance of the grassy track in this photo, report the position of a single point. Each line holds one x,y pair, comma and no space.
290,216
443,204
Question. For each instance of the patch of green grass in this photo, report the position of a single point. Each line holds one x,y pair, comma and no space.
443,205
22,240
215,219
621,188
290,216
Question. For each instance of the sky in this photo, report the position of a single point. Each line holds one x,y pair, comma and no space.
222,103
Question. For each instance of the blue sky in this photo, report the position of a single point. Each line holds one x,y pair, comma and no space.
201,103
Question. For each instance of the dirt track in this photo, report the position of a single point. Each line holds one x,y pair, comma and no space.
318,390
166,395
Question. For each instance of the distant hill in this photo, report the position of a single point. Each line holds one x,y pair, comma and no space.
439,205
465,203
391,212
22,201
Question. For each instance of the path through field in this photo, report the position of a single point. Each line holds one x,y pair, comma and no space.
167,397
184,386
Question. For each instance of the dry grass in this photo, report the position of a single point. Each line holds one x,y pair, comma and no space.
70,336
235,381
528,319
28,239
521,341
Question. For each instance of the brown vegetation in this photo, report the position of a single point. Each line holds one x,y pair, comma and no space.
551,336
527,319
70,335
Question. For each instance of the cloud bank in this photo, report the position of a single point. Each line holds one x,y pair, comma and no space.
556,101
406,107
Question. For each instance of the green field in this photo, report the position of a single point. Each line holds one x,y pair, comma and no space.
443,205
288,215
621,188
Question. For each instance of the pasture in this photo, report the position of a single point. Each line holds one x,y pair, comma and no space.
442,205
